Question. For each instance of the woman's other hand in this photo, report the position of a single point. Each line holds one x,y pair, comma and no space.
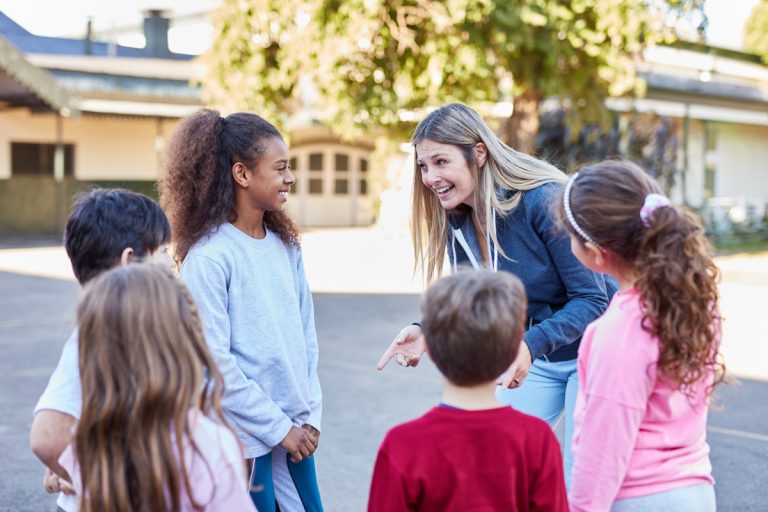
519,369
407,348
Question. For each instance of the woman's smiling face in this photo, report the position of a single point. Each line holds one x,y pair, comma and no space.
445,171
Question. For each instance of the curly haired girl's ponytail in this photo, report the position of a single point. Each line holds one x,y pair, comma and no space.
196,188
678,279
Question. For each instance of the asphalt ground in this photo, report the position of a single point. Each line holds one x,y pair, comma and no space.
363,293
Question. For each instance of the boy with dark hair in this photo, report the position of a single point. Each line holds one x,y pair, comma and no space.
470,452
106,228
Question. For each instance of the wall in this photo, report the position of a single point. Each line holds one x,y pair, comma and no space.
39,206
110,151
106,147
742,161
329,208
694,177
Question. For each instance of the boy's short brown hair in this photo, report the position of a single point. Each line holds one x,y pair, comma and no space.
473,323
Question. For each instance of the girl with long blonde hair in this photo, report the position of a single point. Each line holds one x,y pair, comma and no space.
649,364
483,204
151,435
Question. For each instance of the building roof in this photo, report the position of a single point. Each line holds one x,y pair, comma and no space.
24,85
102,85
705,73
26,42
712,89
60,74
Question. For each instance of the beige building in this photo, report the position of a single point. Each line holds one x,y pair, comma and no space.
719,99
333,179
77,113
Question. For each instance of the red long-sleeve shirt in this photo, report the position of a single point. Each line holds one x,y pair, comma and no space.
460,460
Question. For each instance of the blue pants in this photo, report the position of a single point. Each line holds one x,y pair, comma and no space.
694,498
300,493
548,392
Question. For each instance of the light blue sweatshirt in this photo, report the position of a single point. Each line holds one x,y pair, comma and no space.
259,323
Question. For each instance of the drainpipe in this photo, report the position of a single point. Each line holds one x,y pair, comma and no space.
159,145
89,37
58,173
354,182
686,134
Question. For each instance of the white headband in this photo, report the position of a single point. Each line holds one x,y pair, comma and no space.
569,213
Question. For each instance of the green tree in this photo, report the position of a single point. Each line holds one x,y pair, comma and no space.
756,31
375,61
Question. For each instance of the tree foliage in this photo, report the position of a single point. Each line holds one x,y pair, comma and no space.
377,62
756,31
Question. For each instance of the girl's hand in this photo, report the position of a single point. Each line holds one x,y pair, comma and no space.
407,348
519,369
313,432
299,443
53,484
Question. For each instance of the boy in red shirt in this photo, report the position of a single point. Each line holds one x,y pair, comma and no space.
470,452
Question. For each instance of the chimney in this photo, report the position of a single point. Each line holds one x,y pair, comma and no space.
88,41
156,33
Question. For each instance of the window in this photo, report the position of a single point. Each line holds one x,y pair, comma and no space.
342,162
342,186
315,173
315,185
341,181
32,159
364,179
293,163
315,161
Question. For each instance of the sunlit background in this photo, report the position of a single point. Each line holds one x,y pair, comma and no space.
87,100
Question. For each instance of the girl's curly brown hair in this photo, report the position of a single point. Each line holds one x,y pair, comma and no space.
197,187
677,277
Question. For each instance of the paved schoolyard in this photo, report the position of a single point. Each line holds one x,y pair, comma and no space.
363,294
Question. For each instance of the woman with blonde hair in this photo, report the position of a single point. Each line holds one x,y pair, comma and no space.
486,205
151,435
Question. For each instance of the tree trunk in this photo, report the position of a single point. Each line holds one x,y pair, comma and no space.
520,129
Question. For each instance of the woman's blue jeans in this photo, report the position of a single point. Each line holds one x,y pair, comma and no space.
548,392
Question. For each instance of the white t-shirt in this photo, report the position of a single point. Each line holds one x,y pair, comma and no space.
62,394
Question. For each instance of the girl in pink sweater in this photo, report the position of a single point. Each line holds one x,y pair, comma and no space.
648,366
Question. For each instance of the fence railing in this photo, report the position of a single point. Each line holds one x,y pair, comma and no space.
734,220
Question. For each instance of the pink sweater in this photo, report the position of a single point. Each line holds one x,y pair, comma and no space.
216,473
635,433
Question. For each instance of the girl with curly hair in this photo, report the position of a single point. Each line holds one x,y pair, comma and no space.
647,367
151,433
225,184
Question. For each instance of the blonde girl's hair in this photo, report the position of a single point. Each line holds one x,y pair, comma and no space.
677,276
504,168
144,365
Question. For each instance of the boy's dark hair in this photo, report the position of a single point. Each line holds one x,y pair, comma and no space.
104,222
473,324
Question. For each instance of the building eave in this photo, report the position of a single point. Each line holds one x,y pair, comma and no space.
39,83
187,70
137,108
691,109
